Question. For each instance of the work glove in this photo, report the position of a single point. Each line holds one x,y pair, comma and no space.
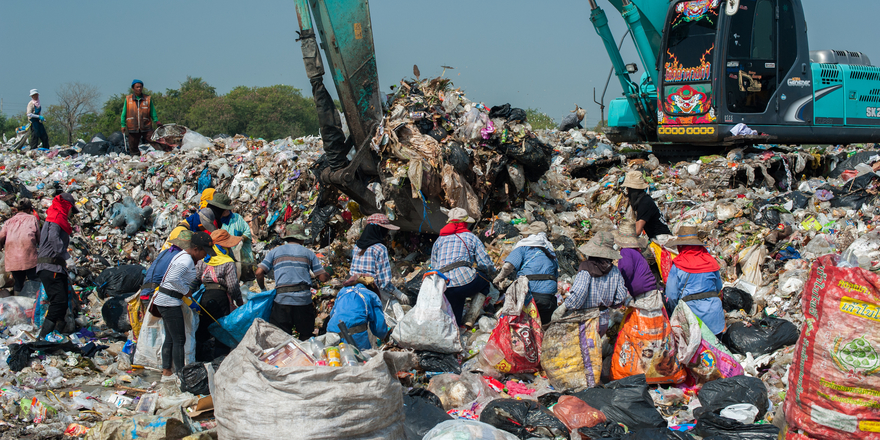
558,313
505,271
401,297
42,118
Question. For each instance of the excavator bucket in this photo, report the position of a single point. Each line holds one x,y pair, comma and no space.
347,39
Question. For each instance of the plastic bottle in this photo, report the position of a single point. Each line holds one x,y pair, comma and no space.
348,358
415,116
333,356
318,352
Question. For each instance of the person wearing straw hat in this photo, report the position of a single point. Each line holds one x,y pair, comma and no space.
358,306
637,275
207,219
293,264
573,120
695,278
534,258
648,217
461,257
370,257
178,281
598,284
222,293
34,113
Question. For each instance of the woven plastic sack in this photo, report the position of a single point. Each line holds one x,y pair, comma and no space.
515,343
698,348
645,344
135,316
663,258
571,353
254,400
430,325
833,383
152,335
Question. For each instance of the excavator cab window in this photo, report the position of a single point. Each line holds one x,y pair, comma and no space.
751,71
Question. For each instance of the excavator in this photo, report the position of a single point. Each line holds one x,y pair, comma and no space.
722,73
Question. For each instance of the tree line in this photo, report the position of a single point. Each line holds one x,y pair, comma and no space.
270,113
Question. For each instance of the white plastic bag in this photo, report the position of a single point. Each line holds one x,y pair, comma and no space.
467,429
152,336
430,325
195,141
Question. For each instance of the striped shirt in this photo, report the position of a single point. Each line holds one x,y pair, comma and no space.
374,263
606,291
180,277
465,246
292,263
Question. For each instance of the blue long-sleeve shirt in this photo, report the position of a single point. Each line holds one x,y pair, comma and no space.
531,261
357,305
709,310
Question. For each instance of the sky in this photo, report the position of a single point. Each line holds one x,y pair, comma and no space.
544,55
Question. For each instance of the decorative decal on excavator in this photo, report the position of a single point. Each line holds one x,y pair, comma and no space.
675,72
695,10
687,104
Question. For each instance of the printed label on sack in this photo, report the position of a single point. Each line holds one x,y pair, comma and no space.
834,419
859,308
869,426
856,356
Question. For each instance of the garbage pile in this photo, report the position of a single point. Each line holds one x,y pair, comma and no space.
793,231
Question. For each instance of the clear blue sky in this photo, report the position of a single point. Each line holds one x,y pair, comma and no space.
531,54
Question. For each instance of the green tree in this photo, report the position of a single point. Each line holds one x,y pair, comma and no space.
272,112
176,104
212,117
540,120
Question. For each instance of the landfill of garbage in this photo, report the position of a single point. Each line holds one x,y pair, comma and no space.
792,228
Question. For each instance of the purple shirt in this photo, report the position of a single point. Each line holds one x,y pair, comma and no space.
636,273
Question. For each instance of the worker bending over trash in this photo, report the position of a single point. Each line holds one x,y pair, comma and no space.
636,271
460,256
598,283
358,306
695,277
293,309
533,257
222,293
369,257
52,259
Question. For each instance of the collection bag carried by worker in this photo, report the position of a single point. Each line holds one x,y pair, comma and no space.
698,348
571,353
430,325
515,343
253,399
152,336
833,383
645,343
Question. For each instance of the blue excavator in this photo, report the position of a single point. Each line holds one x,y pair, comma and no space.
711,65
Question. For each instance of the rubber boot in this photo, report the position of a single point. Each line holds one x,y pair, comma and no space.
311,54
48,327
475,310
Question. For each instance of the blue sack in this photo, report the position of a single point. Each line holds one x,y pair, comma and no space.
204,180
232,327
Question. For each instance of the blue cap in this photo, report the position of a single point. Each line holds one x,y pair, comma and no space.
133,82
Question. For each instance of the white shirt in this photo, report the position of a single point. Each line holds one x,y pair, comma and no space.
179,277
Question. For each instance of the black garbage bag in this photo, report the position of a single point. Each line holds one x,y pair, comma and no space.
194,377
567,258
626,401
121,280
19,357
798,200
766,213
454,154
438,133
423,411
721,393
657,434
438,362
761,336
319,219
736,299
605,430
517,115
117,138
499,230
851,162
115,313
713,426
414,285
532,154
99,148
500,111
852,200
118,149
67,153
549,399
523,418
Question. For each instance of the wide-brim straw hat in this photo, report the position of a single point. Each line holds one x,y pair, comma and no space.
687,236
634,180
381,220
459,215
625,236
295,231
535,228
223,238
600,246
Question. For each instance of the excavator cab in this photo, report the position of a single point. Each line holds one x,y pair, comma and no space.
729,62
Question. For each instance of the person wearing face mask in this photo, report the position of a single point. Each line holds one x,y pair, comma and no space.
534,258
207,219
52,259
370,257
180,280
222,292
